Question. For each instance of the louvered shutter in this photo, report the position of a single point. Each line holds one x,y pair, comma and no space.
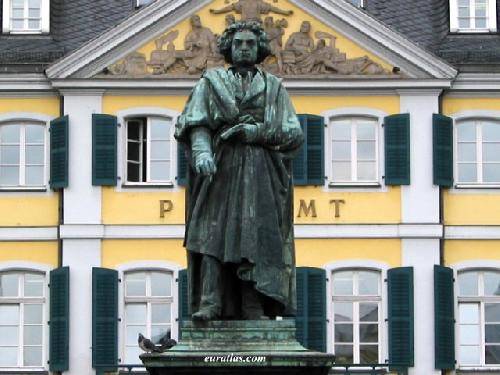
300,161
397,149
182,164
311,308
59,152
400,316
104,148
444,318
104,318
59,320
309,164
442,130
183,298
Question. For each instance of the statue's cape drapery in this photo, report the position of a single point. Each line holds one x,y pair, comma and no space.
244,214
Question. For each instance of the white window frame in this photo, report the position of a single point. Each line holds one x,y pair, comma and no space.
44,15
480,299
361,3
477,120
23,122
147,266
491,14
362,113
29,267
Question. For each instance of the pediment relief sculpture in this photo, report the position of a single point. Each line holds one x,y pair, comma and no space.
299,55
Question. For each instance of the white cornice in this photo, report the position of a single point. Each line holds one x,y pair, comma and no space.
476,82
27,84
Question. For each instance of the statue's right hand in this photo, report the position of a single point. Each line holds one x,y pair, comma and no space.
204,164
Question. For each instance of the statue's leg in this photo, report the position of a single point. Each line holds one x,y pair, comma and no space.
251,302
211,289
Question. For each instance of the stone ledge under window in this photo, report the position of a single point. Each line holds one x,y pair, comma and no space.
24,372
474,371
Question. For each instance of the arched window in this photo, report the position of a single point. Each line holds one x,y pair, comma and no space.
22,154
357,315
479,318
478,151
22,317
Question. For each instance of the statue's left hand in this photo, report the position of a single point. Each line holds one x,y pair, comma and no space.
245,132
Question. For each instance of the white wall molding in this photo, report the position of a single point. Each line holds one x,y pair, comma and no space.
24,266
8,234
472,232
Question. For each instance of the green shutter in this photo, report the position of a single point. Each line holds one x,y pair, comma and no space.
400,316
104,318
311,308
309,164
183,298
59,154
397,149
182,164
104,147
444,318
59,319
442,131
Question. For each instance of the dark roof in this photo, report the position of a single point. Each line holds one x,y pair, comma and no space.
72,23
426,22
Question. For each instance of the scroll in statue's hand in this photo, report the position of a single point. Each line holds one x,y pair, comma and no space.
246,133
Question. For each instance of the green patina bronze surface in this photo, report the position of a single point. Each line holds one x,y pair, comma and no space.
241,133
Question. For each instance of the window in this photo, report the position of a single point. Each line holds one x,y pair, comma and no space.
22,155
141,3
478,152
479,318
358,3
148,309
473,15
22,300
26,16
150,150
356,311
353,150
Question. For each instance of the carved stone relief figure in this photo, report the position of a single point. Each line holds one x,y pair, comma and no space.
200,45
297,56
275,32
161,60
251,10
133,64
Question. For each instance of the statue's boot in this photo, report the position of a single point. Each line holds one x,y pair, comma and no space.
210,299
251,303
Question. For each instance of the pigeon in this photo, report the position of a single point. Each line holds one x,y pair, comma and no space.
146,344
165,343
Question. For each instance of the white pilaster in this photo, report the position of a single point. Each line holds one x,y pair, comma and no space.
420,205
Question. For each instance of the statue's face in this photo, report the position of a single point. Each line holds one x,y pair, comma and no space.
196,21
244,49
305,27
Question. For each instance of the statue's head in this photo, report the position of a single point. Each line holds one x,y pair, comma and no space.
244,44
195,21
305,27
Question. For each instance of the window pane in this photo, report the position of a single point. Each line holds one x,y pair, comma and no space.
368,353
492,312
159,332
367,171
34,13
33,285
135,284
17,13
366,150
133,172
469,313
133,334
342,283
33,314
33,356
467,152
467,173
343,354
160,150
8,357
480,23
9,176
34,175
341,131
18,3
160,171
463,12
135,313
35,154
343,311
9,285
341,150
492,284
368,312
491,172
368,283
9,134
469,335
34,24
161,313
492,332
132,354
492,354
133,129
34,3
160,129
343,333
467,282
35,134
161,284
466,133
341,171
9,314
368,332
9,335
366,131
9,154
491,152
491,132
33,335
133,151
469,355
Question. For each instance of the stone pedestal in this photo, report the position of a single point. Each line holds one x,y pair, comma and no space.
238,347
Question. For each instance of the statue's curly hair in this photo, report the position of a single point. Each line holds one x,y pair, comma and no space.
225,41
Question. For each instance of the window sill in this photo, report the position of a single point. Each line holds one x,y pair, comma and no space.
30,189
478,370
477,186
148,185
23,372
354,185
473,31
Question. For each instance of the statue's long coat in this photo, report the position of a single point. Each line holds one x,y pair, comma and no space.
243,215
